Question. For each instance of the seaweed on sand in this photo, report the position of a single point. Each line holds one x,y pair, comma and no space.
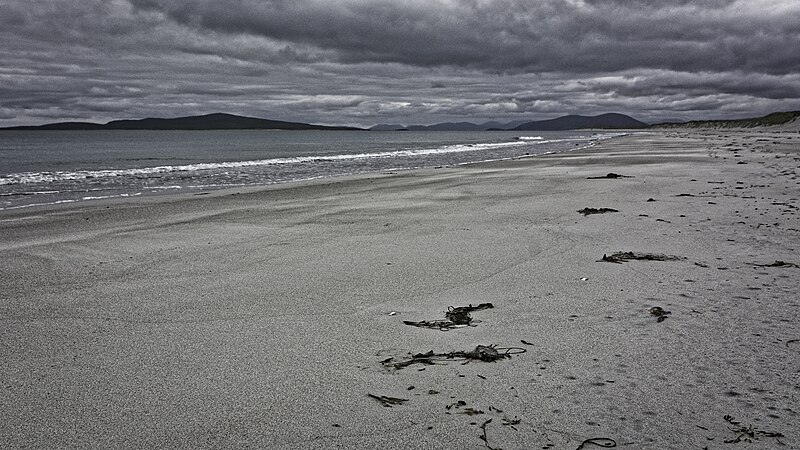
486,353
660,313
455,317
611,175
587,211
747,433
778,263
621,257
599,442
388,401
484,438
460,314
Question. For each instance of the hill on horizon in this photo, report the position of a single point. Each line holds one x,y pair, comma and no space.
574,122
215,121
223,121
448,126
773,119
570,122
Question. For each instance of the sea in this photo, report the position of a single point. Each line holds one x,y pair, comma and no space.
48,167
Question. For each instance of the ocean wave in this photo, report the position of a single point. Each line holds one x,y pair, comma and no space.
26,189
56,176
30,205
101,197
529,138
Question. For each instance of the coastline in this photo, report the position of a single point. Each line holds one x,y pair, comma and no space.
260,318
123,164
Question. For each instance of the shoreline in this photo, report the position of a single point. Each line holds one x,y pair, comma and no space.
261,318
317,166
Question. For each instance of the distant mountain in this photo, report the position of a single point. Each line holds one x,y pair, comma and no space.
217,121
562,123
60,126
450,126
387,127
603,121
777,118
447,126
494,125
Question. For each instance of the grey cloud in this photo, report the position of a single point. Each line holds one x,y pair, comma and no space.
698,84
361,62
517,35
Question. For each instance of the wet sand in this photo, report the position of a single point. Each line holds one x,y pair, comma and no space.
259,319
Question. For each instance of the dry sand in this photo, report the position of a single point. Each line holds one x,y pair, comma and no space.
259,319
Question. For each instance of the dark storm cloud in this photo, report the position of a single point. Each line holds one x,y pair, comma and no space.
519,35
362,62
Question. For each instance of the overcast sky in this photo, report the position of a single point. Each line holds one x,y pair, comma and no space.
362,62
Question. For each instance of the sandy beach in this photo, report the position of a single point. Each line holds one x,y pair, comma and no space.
265,318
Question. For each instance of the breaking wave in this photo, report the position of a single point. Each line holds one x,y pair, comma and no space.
46,177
